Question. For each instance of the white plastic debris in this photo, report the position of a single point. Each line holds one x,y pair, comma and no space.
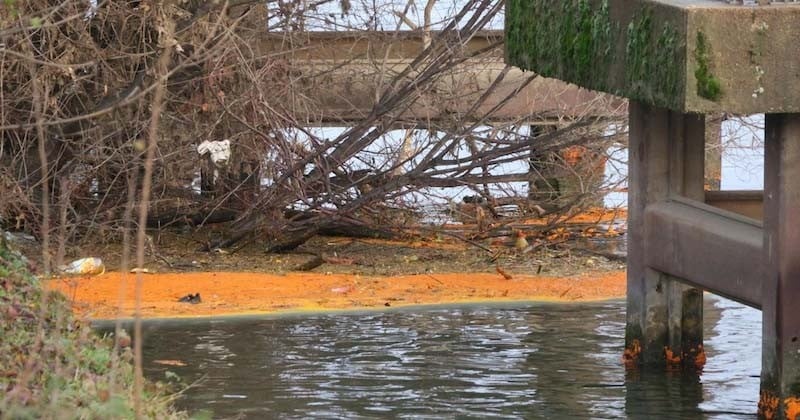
85,266
220,151
91,11
15,237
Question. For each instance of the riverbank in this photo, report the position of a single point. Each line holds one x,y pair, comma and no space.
579,261
229,293
53,366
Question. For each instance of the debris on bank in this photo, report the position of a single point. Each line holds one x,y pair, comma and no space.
86,266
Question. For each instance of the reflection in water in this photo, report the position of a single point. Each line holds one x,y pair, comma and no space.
734,362
526,361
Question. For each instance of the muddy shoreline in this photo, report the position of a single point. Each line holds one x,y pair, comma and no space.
342,273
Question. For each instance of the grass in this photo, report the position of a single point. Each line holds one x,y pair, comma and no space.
53,366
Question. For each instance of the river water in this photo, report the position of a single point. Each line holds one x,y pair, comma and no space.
481,361
532,361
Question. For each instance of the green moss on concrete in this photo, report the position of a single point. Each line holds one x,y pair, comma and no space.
755,53
652,62
708,86
577,41
571,40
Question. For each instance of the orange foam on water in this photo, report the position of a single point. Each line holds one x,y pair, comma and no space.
224,293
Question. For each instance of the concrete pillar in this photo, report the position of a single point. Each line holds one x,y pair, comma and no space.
780,366
664,317
543,185
713,150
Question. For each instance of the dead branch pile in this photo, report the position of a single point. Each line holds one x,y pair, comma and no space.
78,80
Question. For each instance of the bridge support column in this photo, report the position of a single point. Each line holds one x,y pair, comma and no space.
664,318
780,367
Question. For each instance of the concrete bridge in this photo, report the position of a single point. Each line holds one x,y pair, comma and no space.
678,60
342,74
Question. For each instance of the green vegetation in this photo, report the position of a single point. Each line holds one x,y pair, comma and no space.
574,43
54,366
9,10
577,42
651,64
708,86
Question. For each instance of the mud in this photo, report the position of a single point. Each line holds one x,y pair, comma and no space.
332,273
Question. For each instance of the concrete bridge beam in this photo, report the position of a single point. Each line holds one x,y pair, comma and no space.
710,248
749,203
337,78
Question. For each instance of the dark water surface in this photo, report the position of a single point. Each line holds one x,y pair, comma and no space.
524,361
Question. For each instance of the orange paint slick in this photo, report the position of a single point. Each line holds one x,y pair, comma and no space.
224,293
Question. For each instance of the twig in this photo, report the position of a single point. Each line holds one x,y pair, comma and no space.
152,139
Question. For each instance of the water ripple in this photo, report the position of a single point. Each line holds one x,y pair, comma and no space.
529,361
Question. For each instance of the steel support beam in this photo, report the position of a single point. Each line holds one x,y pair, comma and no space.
710,248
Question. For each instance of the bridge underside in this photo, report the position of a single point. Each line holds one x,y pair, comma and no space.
338,77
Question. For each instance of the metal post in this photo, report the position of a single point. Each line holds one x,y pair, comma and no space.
780,366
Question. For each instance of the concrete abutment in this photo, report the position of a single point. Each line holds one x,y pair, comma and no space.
678,61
